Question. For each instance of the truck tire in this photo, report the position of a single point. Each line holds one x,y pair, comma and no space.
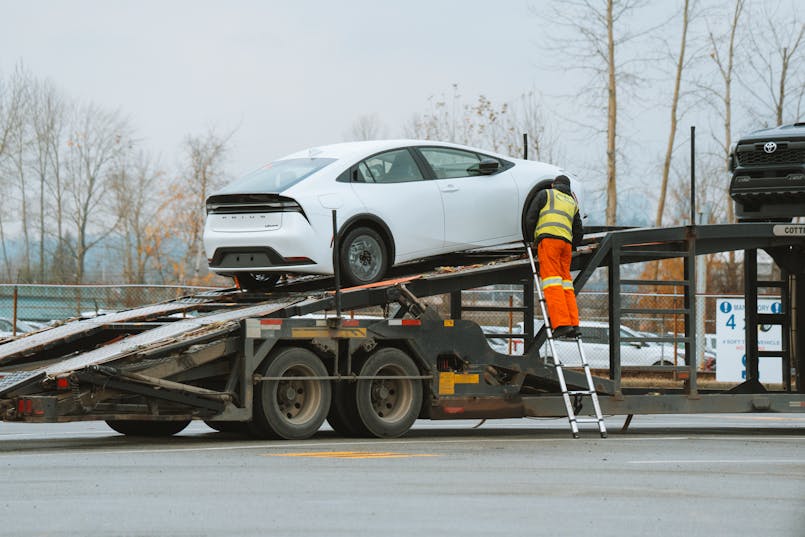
148,428
291,409
388,408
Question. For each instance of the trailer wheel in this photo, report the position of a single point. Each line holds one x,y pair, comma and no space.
343,416
388,407
238,427
295,408
147,428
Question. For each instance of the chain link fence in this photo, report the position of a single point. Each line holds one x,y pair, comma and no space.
45,303
594,315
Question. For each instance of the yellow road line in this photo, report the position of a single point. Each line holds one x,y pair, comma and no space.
350,455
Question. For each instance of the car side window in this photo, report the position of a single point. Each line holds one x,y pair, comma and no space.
396,166
451,163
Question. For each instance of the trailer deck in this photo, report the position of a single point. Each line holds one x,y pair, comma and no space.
251,362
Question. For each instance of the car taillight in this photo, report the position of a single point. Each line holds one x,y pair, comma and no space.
252,204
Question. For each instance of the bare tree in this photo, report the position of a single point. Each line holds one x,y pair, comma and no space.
669,150
48,123
723,54
593,37
13,109
526,116
97,140
775,43
19,152
135,191
367,127
204,156
486,124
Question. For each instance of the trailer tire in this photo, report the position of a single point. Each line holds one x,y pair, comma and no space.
148,428
291,409
343,416
236,427
388,408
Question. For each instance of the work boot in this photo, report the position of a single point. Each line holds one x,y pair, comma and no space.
562,332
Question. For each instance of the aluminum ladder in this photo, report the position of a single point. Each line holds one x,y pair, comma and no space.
575,406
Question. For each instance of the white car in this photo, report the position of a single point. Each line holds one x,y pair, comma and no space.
595,341
7,327
396,201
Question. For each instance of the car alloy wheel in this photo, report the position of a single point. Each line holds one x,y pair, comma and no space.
363,256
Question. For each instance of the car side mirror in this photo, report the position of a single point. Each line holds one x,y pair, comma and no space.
487,166
731,163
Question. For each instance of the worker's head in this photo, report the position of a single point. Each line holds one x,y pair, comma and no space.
561,183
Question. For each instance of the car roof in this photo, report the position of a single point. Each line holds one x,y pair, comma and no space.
350,150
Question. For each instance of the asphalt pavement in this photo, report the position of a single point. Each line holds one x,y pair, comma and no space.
699,475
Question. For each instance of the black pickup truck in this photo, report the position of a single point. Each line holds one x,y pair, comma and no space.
768,174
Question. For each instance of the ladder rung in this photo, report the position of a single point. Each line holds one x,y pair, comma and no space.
581,392
772,354
770,318
588,420
770,283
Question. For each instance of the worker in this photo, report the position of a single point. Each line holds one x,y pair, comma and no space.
557,232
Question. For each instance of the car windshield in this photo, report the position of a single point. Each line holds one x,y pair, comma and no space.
277,176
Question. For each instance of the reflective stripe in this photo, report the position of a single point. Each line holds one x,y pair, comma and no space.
556,217
567,284
551,281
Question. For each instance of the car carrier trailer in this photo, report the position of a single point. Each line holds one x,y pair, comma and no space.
278,364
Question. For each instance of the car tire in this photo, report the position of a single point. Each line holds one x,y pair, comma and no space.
363,256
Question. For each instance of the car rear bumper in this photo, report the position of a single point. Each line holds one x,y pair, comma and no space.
294,247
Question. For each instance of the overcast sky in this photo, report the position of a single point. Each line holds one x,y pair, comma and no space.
289,75
286,75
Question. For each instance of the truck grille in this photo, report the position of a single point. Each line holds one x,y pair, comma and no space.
753,155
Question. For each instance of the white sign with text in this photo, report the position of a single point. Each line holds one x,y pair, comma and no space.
731,341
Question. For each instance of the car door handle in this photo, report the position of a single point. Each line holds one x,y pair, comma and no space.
449,188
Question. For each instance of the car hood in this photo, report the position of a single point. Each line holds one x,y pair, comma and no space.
783,132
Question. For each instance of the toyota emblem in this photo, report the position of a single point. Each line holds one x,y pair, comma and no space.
770,147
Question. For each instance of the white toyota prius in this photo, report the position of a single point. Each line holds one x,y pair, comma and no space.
395,201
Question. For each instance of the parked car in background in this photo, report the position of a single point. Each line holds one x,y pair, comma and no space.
7,327
595,341
396,201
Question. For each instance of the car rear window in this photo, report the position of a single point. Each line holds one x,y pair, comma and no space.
277,176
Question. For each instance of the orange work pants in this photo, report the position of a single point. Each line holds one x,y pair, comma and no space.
554,270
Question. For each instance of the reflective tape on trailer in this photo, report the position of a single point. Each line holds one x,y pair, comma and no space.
405,322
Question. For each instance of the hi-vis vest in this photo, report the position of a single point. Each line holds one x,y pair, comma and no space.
556,217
